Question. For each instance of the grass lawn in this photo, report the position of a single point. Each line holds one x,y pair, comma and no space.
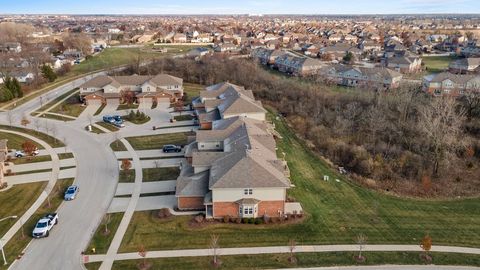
101,240
111,57
127,107
184,117
336,213
65,155
72,106
118,146
55,117
56,100
437,63
33,171
107,126
276,261
15,141
100,109
160,174
136,120
42,136
126,176
34,159
16,200
192,90
16,245
96,130
158,141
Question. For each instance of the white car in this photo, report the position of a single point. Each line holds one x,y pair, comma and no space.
44,225
20,153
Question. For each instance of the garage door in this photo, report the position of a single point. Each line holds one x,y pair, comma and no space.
94,102
164,100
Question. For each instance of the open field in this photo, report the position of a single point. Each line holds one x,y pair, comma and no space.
278,261
336,213
436,64
157,141
16,200
101,240
160,174
18,242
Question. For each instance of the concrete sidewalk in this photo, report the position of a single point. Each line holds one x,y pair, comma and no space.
41,165
282,249
89,111
119,205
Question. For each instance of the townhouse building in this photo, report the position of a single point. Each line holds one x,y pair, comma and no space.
448,84
362,76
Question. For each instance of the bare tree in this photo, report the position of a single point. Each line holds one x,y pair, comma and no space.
441,126
292,244
105,221
214,245
361,241
10,118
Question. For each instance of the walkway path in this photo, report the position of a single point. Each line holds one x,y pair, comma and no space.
391,267
132,204
51,183
281,249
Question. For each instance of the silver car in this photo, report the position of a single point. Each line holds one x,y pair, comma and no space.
71,193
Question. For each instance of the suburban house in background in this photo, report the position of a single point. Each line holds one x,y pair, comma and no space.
465,66
145,89
404,64
448,84
298,66
361,76
233,170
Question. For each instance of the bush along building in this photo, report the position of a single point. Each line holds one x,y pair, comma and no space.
232,168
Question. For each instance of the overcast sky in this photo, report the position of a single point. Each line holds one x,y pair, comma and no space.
239,7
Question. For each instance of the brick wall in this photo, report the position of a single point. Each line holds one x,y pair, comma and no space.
221,209
270,208
186,203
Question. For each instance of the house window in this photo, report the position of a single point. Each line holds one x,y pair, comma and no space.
248,191
248,210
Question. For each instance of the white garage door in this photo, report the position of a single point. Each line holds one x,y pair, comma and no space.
94,102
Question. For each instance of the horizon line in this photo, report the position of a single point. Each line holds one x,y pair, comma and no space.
240,14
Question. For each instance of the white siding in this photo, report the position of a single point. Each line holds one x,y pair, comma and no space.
235,194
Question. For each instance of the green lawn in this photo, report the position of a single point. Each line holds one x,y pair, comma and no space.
118,146
18,243
33,171
336,213
277,261
127,106
16,200
56,100
111,57
96,130
192,90
16,141
437,63
42,136
101,240
100,109
157,141
160,174
56,117
127,176
72,106
184,117
34,159
65,155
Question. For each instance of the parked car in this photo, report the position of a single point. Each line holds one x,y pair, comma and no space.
117,118
71,193
171,148
108,119
118,124
44,225
20,153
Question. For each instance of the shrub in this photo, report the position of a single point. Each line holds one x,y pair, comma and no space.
251,220
258,221
244,220
226,219
199,218
238,220
164,213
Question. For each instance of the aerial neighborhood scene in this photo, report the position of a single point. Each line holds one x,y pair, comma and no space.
333,135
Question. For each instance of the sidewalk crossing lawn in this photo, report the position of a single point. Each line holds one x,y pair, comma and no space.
15,141
42,136
336,213
278,261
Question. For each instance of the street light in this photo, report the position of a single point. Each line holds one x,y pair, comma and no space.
1,243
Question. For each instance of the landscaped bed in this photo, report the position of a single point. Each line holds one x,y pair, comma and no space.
336,213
